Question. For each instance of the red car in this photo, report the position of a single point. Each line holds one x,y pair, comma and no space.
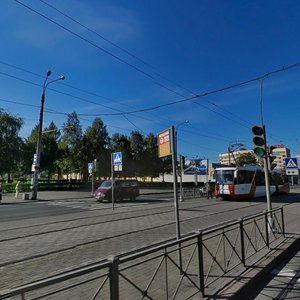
123,189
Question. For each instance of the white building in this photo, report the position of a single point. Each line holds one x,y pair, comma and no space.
281,153
229,158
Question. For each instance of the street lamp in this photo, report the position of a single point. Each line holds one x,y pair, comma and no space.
233,147
37,156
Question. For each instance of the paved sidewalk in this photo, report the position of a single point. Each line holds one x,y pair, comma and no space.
283,281
259,281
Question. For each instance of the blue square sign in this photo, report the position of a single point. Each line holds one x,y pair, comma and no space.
291,163
117,158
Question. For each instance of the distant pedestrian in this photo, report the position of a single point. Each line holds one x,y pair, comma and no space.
18,187
209,190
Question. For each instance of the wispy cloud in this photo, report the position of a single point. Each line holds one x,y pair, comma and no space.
114,23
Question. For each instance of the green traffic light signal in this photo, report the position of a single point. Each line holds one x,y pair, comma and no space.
259,141
260,152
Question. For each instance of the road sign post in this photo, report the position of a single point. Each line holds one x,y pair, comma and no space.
167,147
291,167
116,165
91,173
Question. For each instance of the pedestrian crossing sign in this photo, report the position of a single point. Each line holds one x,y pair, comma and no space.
291,163
117,158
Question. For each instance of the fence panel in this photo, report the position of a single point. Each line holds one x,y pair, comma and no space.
197,263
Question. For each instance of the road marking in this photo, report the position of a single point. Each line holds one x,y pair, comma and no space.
92,205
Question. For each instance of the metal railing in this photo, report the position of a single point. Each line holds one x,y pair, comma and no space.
209,259
188,193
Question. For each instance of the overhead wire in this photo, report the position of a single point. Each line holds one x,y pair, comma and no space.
73,87
99,48
170,103
107,40
76,97
130,54
79,36
152,77
117,46
205,94
120,59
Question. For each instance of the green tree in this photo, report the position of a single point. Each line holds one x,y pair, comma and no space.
246,159
50,150
137,148
28,150
153,165
95,144
70,146
137,145
10,142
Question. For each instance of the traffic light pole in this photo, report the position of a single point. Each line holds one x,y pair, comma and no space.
261,150
267,175
267,179
175,187
180,178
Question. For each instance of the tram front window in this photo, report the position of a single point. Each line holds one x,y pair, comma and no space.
225,176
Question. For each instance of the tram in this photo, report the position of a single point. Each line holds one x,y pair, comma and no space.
247,182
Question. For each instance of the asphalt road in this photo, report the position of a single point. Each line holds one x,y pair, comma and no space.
27,210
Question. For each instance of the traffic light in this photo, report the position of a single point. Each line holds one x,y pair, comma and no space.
272,157
259,141
183,162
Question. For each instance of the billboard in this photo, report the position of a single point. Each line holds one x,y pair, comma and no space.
196,167
164,143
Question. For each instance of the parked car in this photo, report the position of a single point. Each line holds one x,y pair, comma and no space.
123,189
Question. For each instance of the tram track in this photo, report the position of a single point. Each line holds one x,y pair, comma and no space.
194,216
108,218
170,224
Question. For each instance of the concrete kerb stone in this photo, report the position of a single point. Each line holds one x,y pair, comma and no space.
245,285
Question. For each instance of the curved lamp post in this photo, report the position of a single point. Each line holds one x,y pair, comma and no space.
36,162
233,147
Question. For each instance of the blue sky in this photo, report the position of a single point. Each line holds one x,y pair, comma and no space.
140,54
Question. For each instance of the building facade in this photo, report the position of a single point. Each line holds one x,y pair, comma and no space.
281,153
229,158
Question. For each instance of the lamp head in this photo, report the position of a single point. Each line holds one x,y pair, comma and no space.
62,77
48,73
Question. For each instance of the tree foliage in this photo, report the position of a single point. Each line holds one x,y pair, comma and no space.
69,151
10,142
246,159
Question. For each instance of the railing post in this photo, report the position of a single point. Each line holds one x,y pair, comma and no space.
267,229
242,241
282,221
201,263
114,278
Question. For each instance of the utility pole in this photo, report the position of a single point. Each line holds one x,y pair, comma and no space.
37,156
180,177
